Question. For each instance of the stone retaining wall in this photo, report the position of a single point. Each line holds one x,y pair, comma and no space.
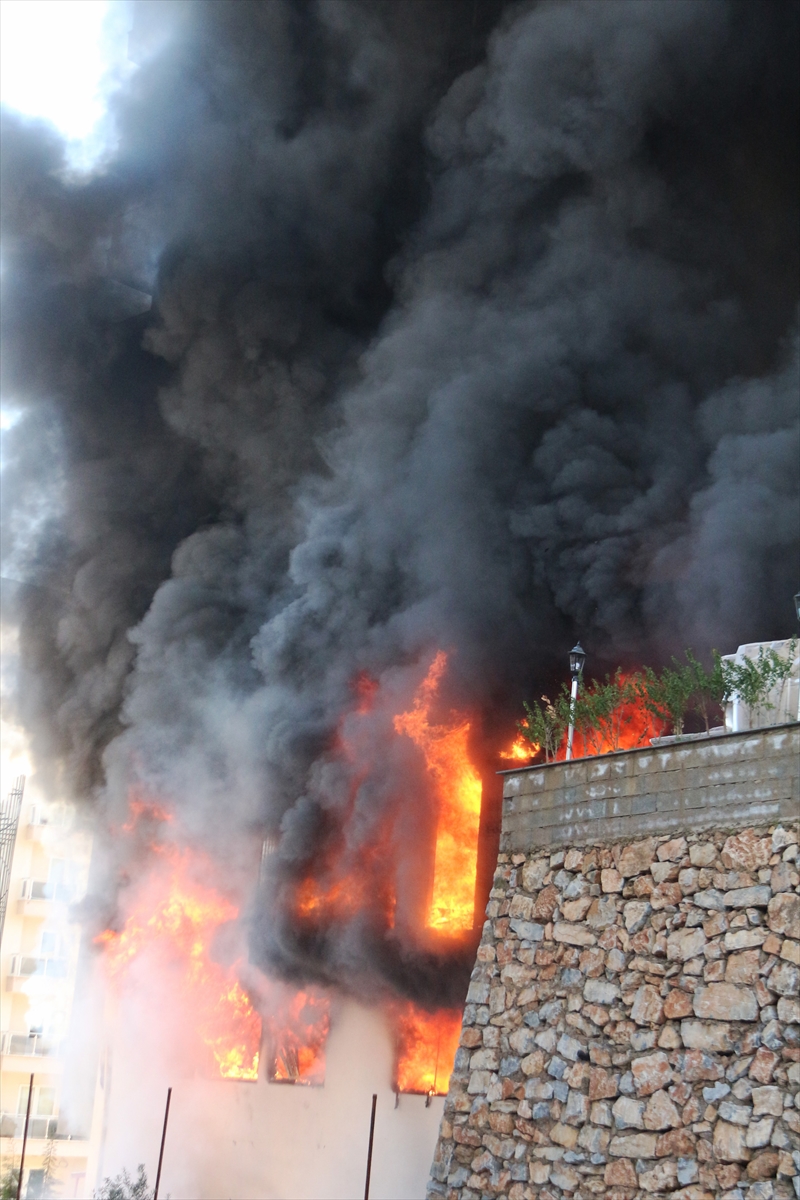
632,1025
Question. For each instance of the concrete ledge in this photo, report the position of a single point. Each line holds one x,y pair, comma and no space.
723,781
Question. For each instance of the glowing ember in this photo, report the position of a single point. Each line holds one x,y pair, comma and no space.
175,919
427,1044
297,1036
458,791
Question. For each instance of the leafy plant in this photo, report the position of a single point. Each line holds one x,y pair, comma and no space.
667,695
604,712
9,1183
122,1187
50,1165
545,724
709,689
752,680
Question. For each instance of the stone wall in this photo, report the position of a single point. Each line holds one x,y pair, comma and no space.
632,1025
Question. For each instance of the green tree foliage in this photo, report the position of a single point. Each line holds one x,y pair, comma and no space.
709,688
753,679
545,724
667,695
9,1183
604,712
122,1187
50,1164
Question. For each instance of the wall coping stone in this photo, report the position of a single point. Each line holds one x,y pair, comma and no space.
689,742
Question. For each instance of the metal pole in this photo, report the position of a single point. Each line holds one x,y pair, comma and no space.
571,731
369,1149
24,1139
163,1139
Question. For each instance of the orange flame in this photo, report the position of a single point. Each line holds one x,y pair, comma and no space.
521,750
458,788
298,1035
427,1044
633,725
175,918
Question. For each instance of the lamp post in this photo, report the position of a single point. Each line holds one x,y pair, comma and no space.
577,657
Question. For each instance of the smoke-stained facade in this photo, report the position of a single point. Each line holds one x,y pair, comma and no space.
473,328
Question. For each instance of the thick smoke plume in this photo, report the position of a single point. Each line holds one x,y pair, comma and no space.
473,328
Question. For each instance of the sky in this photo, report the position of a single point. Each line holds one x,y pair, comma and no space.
58,61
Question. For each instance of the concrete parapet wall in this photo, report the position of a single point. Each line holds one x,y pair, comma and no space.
720,782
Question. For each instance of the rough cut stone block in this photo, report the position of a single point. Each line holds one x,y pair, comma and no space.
636,859
633,1145
628,1113
789,1010
660,1113
740,939
725,1002
599,991
767,1101
714,1036
648,1008
746,851
685,944
783,914
573,935
651,1073
729,1142
749,897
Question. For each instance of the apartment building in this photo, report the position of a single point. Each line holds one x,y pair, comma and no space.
48,872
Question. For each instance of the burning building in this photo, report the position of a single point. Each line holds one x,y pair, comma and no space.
388,347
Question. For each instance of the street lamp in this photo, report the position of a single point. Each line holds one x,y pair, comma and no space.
577,657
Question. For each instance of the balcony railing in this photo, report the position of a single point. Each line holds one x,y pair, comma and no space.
27,1043
25,967
12,1125
37,889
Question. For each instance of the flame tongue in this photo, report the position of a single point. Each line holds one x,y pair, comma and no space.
175,919
458,791
427,1043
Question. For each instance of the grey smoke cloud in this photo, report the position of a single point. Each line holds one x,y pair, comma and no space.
463,336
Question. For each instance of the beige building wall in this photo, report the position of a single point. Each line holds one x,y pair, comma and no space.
38,964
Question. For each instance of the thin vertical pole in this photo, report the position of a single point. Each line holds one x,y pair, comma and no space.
571,731
25,1138
369,1148
163,1139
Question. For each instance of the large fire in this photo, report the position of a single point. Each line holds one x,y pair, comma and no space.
426,1048
176,915
174,920
457,787
629,726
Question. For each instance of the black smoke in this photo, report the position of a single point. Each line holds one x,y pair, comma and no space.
473,327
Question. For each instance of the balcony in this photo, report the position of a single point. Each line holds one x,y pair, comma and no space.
27,1044
36,897
12,1125
25,967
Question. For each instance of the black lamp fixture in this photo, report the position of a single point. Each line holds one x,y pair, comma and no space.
577,657
797,607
